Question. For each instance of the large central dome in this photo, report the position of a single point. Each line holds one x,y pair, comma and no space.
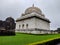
33,9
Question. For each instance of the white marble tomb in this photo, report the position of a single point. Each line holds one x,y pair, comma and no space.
33,21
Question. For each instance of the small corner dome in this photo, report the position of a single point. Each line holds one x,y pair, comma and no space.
33,9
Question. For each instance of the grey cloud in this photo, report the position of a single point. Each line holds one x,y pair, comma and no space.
15,8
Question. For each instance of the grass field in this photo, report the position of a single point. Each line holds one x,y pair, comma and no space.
24,39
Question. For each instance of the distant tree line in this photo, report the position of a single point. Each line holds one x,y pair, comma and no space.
58,30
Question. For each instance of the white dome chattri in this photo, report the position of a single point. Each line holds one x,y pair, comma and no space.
33,9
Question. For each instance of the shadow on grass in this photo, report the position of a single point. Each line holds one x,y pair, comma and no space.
53,42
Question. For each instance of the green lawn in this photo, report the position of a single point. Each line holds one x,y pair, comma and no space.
24,39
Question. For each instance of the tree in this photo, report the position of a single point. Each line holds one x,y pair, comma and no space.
58,30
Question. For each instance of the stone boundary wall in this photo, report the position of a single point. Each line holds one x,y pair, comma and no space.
36,31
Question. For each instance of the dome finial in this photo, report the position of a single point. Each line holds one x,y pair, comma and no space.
33,5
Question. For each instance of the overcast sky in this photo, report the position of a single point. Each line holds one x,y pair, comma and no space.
14,8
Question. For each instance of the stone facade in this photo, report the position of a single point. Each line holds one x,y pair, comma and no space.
33,23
